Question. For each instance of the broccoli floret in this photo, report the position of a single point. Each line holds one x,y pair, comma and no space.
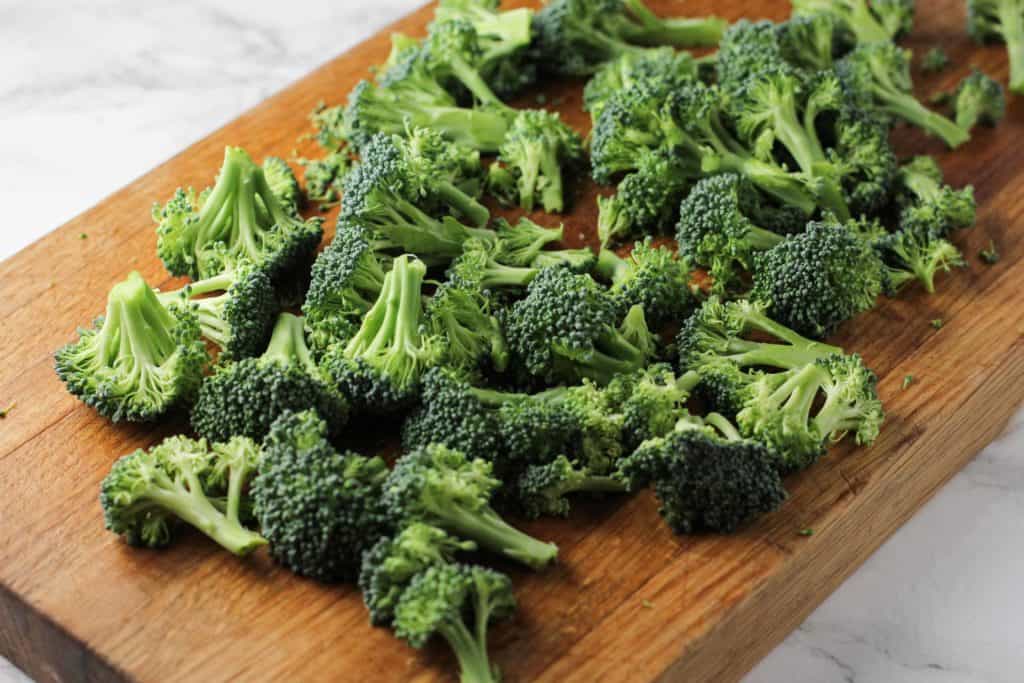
325,178
522,243
452,54
877,75
723,331
929,204
393,561
459,314
650,401
329,123
816,280
283,184
715,233
543,490
239,313
707,476
723,384
244,398
631,67
457,602
441,486
318,508
864,159
566,329
1000,21
480,266
140,360
147,492
864,21
239,219
536,149
379,367
979,99
914,252
652,277
935,60
346,280
808,41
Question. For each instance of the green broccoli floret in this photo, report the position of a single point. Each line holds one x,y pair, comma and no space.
879,21
629,68
543,490
140,360
480,266
816,280
325,178
929,204
736,332
715,233
877,75
566,329
393,561
522,243
452,54
808,41
346,280
864,159
1000,21
147,492
460,314
441,486
244,398
935,60
379,366
633,123
537,147
650,402
329,123
239,313
239,219
283,184
979,99
652,277
914,252
318,508
457,602
707,476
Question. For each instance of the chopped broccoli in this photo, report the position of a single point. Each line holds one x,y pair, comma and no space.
521,244
283,184
979,99
140,360
480,266
325,178
877,21
653,277
542,490
990,255
935,60
630,67
239,219
459,313
913,252
808,41
536,149
930,205
864,159
244,398
1001,21
441,486
147,492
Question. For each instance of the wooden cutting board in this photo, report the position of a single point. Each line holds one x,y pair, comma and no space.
628,600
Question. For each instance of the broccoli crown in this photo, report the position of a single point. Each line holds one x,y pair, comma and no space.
391,564
522,243
537,147
979,99
543,490
649,401
864,159
318,508
442,487
706,480
808,41
818,279
723,385
452,54
928,204
244,398
380,365
632,123
656,279
862,21
346,280
916,252
714,232
631,67
283,184
457,602
239,219
723,331
565,328
148,492
140,360
460,314
851,400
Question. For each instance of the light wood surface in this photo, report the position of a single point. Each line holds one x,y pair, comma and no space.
628,601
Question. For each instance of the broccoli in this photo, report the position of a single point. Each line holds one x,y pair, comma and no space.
244,398
877,21
990,254
537,147
440,599
379,367
714,232
650,401
480,266
877,75
652,277
542,490
734,331
452,55
935,60
346,280
706,475
816,280
622,72
238,319
325,178
979,99
140,360
147,492
318,508
864,160
928,203
441,486
522,243
240,218
808,41
283,184
914,252
329,123
459,313
1000,21
391,564
565,329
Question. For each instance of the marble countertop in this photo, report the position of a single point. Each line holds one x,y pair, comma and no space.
98,93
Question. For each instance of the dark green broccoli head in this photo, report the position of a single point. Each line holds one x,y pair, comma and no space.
928,204
632,123
865,160
656,279
570,40
140,360
816,280
724,384
747,47
325,178
537,148
460,315
631,67
318,508
544,490
648,402
979,99
451,413
244,398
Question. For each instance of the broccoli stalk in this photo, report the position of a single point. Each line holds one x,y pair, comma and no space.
641,26
1001,20
855,16
536,148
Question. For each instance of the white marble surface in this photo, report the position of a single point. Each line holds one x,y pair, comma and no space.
93,94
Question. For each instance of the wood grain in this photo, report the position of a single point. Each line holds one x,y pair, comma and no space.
628,601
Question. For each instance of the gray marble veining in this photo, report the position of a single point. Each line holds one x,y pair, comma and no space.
93,94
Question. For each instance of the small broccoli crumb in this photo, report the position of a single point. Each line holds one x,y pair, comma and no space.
805,532
907,381
989,255
648,604
4,412
935,60
83,236
938,323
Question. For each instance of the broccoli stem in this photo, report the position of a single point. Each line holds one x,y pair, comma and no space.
752,353
675,31
611,267
481,129
1012,22
762,323
474,83
865,27
909,108
726,428
474,664
613,355
551,191
497,276
492,532
288,344
474,211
